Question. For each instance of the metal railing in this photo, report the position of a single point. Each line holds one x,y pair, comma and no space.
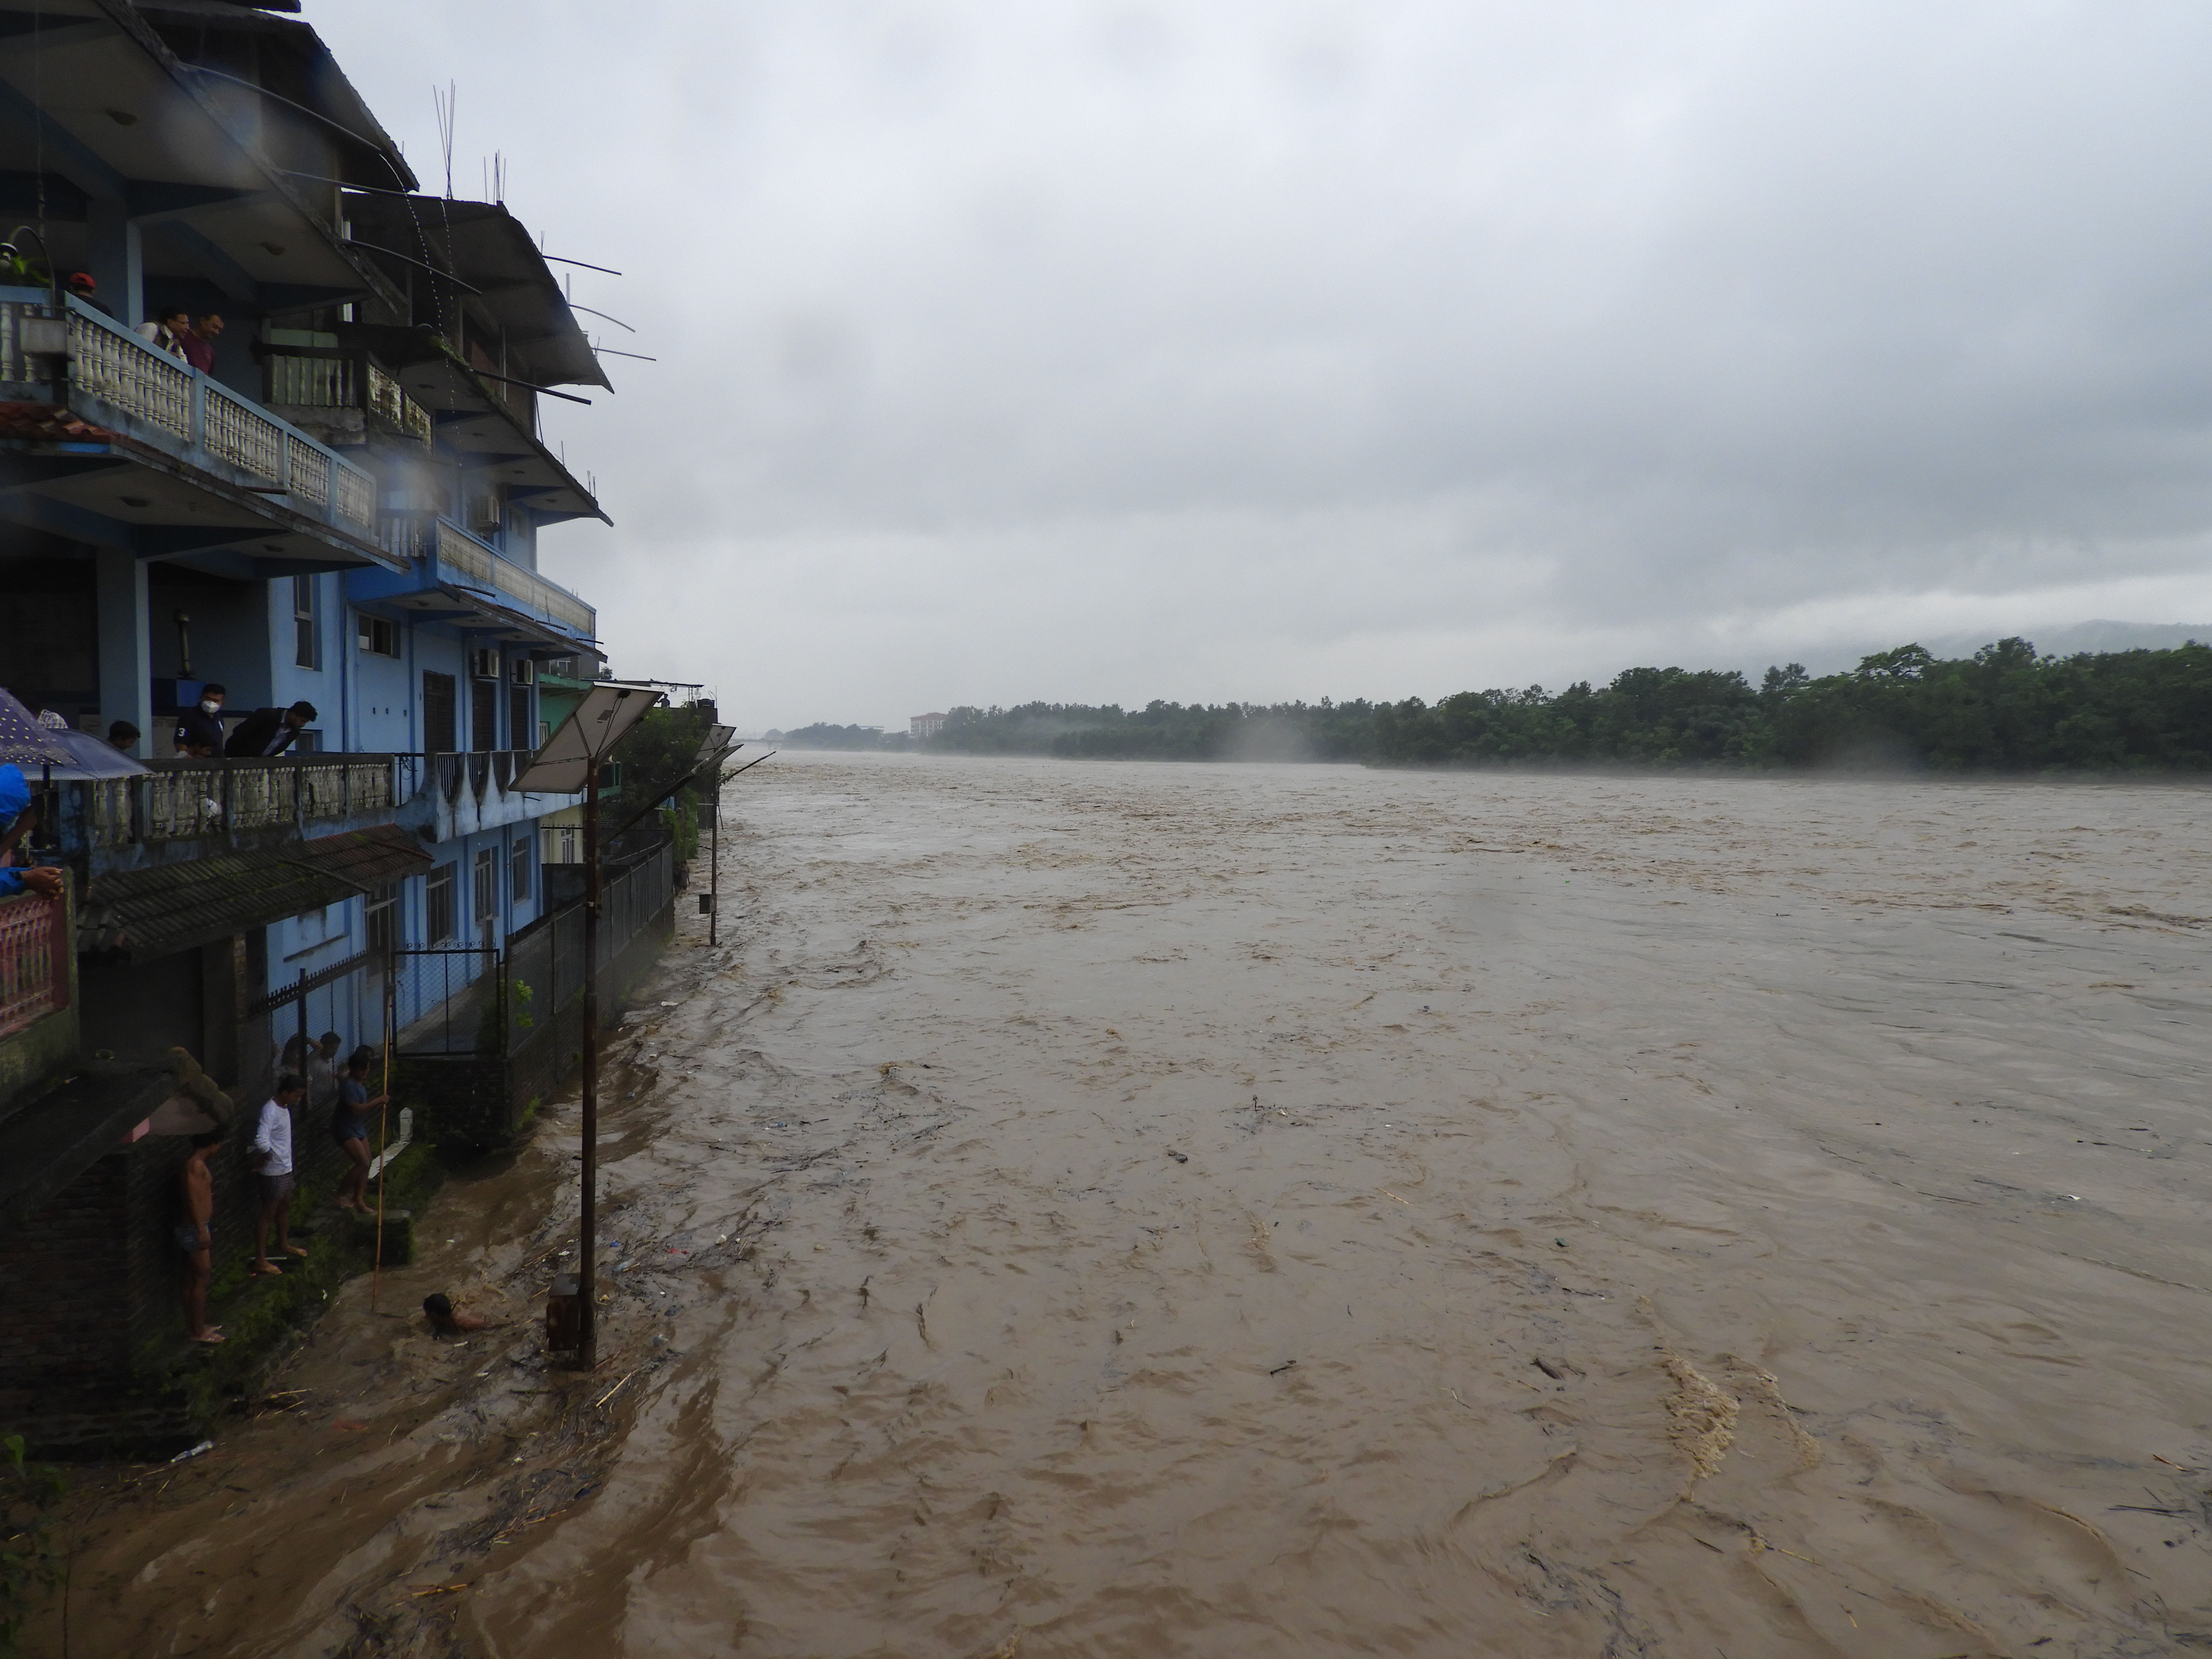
109,362
188,800
35,947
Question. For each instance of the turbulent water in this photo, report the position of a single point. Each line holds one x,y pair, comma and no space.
1123,1209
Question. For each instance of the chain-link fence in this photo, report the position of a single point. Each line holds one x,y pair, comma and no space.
485,1033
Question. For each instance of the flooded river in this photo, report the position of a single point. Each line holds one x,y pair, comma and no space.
1144,1210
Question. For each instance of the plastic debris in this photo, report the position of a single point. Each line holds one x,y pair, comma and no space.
1180,1158
193,1452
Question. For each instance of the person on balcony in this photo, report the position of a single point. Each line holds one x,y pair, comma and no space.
269,731
16,819
165,331
122,735
199,729
199,339
79,283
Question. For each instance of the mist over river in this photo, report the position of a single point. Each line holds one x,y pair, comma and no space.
1149,1209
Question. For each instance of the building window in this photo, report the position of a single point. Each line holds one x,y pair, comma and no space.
544,732
306,637
437,712
382,917
379,636
486,883
518,868
438,905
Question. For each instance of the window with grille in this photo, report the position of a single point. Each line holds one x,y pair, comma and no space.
518,861
486,883
306,637
438,905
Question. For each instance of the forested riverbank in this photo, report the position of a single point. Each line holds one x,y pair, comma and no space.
2003,709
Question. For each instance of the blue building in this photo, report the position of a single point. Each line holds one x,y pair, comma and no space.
330,490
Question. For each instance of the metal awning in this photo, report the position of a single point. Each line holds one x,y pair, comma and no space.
144,913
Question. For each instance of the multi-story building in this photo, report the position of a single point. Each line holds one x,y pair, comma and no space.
342,509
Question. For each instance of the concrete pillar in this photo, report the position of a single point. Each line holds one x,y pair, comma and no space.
112,256
126,652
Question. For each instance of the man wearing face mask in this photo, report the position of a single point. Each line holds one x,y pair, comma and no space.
199,730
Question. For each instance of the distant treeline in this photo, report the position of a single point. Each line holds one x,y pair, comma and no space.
2003,710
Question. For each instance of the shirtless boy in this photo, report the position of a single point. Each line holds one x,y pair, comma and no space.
193,1237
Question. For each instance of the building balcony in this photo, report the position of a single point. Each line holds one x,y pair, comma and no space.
129,447
341,390
182,809
454,576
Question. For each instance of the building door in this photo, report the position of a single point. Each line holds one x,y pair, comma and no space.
483,713
438,712
521,732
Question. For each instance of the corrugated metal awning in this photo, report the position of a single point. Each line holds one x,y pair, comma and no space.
143,913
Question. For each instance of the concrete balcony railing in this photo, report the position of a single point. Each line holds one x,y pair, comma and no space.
327,378
119,381
462,793
181,808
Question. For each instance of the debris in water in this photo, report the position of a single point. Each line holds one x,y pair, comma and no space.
1561,1242
1702,1418
183,1456
1179,1157
1281,1369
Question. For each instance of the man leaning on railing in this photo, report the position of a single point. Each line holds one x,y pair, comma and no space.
268,732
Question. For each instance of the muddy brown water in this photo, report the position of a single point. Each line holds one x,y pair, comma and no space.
1145,1210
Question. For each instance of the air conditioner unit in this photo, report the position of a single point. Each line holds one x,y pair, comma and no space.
483,663
523,670
484,511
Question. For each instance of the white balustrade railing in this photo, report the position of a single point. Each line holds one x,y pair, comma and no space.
114,365
388,399
120,369
464,553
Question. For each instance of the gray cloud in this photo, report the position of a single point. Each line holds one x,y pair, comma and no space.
1115,350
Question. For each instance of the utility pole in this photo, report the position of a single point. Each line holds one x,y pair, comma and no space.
569,764
587,1278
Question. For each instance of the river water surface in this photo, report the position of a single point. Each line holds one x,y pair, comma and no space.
1144,1210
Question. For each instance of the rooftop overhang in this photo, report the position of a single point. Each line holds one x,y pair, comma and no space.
193,156
508,282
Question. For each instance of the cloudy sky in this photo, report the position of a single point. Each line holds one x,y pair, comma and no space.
1086,350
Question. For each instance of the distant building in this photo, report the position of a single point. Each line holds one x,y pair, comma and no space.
925,726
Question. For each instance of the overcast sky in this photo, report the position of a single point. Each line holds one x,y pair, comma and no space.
1242,349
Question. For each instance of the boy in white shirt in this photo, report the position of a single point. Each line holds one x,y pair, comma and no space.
272,1159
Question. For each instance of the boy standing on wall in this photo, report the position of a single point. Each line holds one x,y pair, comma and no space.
272,1159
